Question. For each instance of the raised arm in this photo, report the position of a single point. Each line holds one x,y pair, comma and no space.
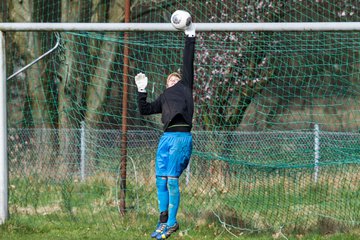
182,20
188,62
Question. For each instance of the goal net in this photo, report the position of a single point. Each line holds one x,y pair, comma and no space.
276,121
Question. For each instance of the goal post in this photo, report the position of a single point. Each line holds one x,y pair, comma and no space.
3,134
128,27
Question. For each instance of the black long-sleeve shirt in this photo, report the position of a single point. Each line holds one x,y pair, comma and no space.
176,103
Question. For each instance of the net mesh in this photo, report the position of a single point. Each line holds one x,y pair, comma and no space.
276,123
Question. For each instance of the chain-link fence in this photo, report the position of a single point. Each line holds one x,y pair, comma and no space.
249,180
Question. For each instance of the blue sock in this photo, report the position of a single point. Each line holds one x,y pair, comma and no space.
174,200
163,193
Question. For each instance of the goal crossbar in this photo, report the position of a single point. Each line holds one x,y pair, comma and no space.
167,27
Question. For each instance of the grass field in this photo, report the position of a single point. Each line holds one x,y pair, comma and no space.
222,201
20,227
128,228
75,210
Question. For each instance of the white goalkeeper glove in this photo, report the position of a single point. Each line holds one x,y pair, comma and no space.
190,30
141,82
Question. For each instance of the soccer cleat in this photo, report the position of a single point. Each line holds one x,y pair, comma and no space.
168,231
159,229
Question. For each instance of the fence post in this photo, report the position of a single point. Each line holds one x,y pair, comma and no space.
316,151
188,174
83,151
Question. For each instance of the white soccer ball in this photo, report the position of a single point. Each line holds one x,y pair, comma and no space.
180,19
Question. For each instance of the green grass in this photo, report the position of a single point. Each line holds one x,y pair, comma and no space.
128,227
253,206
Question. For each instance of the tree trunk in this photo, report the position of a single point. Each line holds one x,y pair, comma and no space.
29,48
99,83
70,93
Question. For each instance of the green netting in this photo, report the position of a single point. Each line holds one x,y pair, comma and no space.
276,124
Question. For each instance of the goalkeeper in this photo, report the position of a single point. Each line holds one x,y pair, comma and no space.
175,146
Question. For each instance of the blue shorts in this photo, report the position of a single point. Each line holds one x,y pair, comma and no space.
173,154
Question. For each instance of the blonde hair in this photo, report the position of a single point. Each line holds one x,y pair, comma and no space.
176,74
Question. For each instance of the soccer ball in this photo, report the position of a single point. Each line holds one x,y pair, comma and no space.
180,19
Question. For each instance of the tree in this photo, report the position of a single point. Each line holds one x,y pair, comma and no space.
99,82
33,84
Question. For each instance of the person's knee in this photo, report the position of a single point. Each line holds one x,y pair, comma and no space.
173,184
161,183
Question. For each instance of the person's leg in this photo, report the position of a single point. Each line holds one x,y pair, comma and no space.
161,174
180,151
163,195
161,185
163,204
174,200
